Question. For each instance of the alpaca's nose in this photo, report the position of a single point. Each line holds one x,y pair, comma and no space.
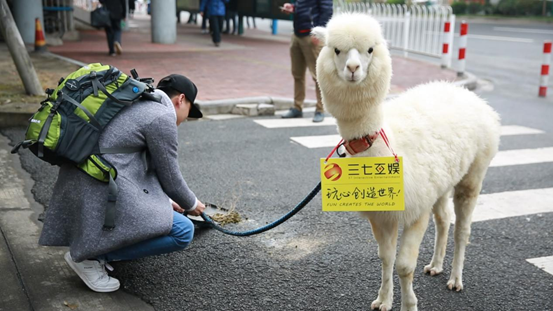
353,68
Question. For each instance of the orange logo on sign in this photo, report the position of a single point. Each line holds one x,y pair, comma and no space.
333,172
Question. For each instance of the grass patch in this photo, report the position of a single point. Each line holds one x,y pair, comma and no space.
49,70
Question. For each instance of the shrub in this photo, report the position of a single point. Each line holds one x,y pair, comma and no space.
475,7
459,7
401,2
507,7
519,7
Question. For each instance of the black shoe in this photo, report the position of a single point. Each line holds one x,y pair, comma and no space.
292,113
319,117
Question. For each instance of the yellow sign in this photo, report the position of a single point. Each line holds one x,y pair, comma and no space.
362,184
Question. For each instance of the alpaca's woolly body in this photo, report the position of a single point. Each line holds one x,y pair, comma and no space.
446,135
439,129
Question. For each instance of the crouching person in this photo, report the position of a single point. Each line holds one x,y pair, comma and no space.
151,192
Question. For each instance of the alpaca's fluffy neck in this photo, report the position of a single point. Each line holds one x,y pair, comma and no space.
356,113
361,125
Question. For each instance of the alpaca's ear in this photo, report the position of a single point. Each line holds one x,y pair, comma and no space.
319,33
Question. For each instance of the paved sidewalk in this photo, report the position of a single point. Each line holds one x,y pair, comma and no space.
257,64
35,277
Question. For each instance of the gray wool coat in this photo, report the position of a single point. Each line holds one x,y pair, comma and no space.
75,216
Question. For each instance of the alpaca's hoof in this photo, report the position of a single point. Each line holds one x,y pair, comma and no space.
381,305
455,283
433,269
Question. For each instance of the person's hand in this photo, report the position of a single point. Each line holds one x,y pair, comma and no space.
287,8
315,41
177,207
202,14
199,209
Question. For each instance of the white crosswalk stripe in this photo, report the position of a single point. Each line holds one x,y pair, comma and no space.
507,130
544,263
511,204
297,122
321,141
523,156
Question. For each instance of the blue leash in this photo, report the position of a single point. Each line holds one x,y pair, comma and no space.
212,224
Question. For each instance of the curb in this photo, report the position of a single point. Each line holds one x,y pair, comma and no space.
229,106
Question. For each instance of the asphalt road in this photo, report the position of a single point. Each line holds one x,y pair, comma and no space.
328,261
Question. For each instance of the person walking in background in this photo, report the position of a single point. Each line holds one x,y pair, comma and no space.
231,14
304,50
117,12
253,22
216,14
204,21
192,18
132,7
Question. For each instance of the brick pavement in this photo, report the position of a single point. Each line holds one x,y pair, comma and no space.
257,64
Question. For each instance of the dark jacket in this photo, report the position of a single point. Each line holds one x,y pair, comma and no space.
214,7
117,8
309,14
232,5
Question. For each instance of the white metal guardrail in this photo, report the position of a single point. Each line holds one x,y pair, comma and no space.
412,29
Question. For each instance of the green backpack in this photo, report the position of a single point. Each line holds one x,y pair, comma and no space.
68,125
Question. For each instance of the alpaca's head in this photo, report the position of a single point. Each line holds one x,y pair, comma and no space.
354,56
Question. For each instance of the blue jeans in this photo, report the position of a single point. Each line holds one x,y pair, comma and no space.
180,236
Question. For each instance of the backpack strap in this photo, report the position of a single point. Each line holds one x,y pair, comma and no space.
109,219
43,133
97,85
46,127
83,108
152,97
113,192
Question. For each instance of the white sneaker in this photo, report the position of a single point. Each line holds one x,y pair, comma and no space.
94,274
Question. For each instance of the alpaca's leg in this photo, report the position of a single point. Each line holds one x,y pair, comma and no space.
441,221
411,239
464,199
385,234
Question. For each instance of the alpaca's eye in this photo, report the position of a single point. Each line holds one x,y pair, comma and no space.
370,50
336,51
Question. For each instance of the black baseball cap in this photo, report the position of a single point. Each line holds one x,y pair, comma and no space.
183,85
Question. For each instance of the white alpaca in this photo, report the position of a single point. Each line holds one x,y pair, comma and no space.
446,135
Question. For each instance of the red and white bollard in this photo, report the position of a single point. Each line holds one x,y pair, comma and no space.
447,42
545,68
462,48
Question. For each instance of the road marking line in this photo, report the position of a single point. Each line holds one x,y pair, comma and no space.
522,156
496,38
508,130
297,122
510,204
524,30
281,112
319,141
221,117
544,263
323,141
